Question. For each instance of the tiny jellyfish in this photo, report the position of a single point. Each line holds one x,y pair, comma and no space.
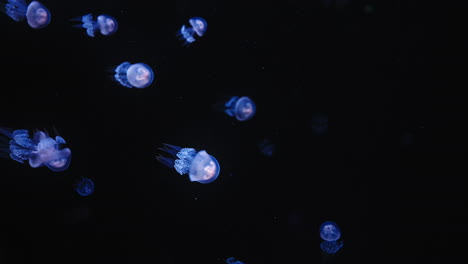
138,75
84,186
319,123
200,166
35,13
41,150
267,148
197,27
232,260
105,24
330,233
241,108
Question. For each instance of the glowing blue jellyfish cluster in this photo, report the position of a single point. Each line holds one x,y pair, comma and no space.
105,24
197,27
241,108
330,233
35,13
200,166
232,260
138,75
39,151
84,186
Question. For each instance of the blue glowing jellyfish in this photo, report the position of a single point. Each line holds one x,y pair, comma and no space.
37,15
138,75
200,166
232,260
84,186
39,151
105,24
198,27
267,147
242,108
330,233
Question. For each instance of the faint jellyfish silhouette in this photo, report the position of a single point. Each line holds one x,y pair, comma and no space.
35,13
39,151
330,233
319,123
198,28
200,166
267,148
241,108
138,75
84,186
105,24
232,260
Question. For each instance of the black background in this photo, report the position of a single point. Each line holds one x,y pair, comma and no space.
389,170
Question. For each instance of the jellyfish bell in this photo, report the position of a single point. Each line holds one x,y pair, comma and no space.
329,231
107,25
38,16
199,25
84,186
204,168
140,75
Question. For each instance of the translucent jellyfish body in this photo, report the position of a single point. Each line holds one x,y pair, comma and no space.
241,108
200,166
138,75
197,27
39,151
330,233
232,260
35,13
84,186
105,24
267,148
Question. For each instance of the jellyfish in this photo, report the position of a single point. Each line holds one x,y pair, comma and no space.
106,24
84,186
39,151
267,147
138,75
198,28
200,166
37,15
232,260
242,108
330,233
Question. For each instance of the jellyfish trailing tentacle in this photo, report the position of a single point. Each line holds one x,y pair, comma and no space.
16,9
121,74
184,161
88,24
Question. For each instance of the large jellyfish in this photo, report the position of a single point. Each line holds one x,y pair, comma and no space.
37,15
233,260
84,186
200,166
39,151
105,24
138,75
198,27
330,233
242,108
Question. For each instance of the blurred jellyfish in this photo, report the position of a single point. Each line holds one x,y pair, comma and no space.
138,75
330,233
242,108
232,260
198,27
106,24
267,147
319,124
84,186
39,151
200,166
37,15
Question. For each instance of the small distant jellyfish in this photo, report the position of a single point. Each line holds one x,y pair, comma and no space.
200,166
241,108
84,186
37,15
39,151
198,27
330,233
105,24
267,147
138,75
232,260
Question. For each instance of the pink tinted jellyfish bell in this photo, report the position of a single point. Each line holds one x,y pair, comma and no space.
107,24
